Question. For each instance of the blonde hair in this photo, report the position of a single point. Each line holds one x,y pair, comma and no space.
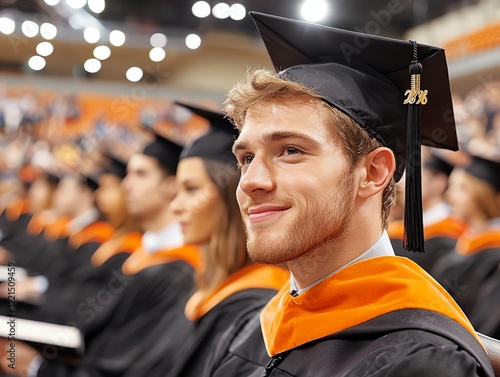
262,85
486,198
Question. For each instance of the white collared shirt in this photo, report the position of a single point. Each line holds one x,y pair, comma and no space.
437,213
83,220
170,237
381,248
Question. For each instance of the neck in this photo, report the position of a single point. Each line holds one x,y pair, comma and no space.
477,222
336,253
158,221
85,207
431,202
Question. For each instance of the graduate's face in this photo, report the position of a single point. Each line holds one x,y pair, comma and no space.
40,194
295,194
110,199
198,204
68,195
148,191
461,196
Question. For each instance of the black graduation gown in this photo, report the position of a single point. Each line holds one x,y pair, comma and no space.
484,315
154,298
463,273
250,289
439,240
404,324
409,342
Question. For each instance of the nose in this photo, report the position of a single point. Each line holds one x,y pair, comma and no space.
257,178
176,205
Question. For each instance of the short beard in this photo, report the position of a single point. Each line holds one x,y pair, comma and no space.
326,220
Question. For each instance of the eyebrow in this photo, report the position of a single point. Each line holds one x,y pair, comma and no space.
275,136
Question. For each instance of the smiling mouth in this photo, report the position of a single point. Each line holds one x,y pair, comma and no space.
264,213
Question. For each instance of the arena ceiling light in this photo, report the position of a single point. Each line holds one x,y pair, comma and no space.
29,28
7,26
48,31
91,34
117,38
158,40
221,11
314,10
157,54
44,48
97,6
134,74
92,65
36,63
237,12
52,2
76,4
102,52
201,9
193,41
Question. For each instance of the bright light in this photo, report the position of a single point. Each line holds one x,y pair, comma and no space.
158,40
201,9
44,48
157,54
91,34
193,41
7,26
92,65
48,31
117,38
97,6
134,74
76,4
36,63
102,52
237,12
314,10
51,2
29,28
221,10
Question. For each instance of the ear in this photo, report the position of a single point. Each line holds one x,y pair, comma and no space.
378,169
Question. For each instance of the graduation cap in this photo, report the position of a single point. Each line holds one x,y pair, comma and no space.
486,170
115,166
397,91
217,143
165,151
438,164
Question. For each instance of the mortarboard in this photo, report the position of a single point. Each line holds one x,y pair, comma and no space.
115,166
486,170
375,81
438,164
217,143
165,151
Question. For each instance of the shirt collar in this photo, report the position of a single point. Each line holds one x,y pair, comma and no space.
435,214
382,247
167,238
83,220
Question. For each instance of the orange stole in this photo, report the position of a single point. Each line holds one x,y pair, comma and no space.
449,227
355,294
141,259
16,209
471,243
52,230
126,243
253,276
98,231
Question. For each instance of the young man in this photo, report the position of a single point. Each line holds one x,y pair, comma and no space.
319,145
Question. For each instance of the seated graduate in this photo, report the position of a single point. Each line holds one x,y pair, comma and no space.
474,194
229,286
320,145
441,228
154,282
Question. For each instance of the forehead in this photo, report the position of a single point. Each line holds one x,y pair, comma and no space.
143,162
192,168
296,115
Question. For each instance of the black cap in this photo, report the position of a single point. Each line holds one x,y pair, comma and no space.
165,151
217,143
115,166
486,170
438,164
369,78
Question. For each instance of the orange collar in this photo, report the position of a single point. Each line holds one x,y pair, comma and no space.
471,243
141,259
449,227
356,294
16,209
98,231
52,229
127,243
253,276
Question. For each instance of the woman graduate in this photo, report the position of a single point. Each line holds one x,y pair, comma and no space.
474,194
230,286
